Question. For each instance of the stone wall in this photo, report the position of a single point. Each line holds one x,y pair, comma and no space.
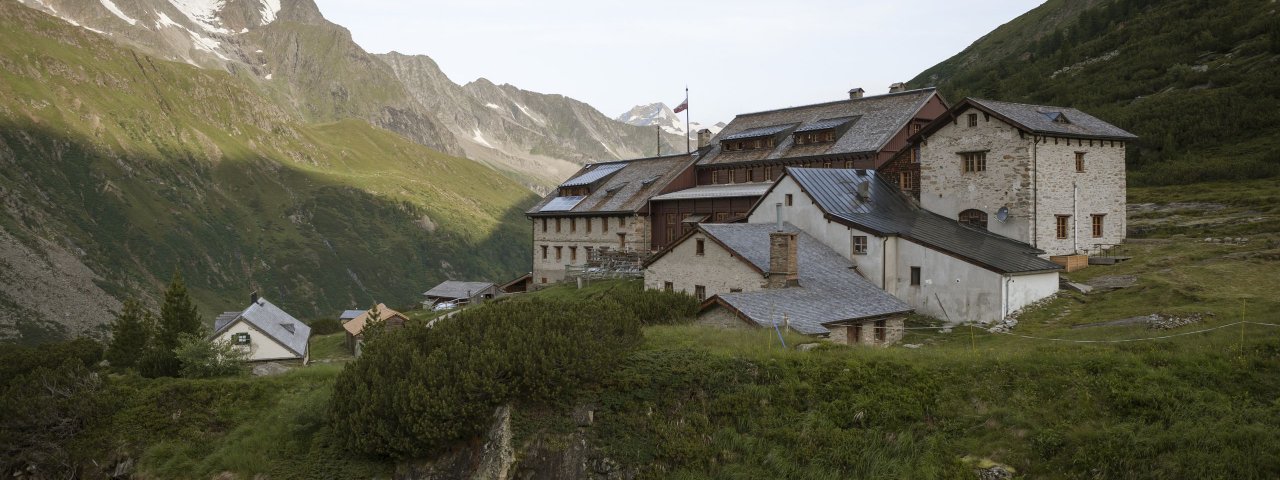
720,317
573,233
1101,191
894,329
716,269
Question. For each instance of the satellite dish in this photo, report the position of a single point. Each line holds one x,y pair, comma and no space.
1002,214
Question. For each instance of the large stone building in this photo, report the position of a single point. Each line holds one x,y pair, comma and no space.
602,206
1053,177
766,275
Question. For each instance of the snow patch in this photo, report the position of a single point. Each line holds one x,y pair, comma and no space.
268,77
269,10
203,12
163,20
244,30
495,107
479,138
119,13
207,44
258,51
529,114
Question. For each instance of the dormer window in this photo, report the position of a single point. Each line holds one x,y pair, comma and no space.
823,136
823,131
1057,117
755,138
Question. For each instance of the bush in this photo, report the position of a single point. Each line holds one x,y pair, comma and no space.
203,357
418,389
325,326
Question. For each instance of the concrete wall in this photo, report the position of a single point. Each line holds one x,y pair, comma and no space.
1032,176
573,233
894,329
261,347
717,269
1023,290
950,289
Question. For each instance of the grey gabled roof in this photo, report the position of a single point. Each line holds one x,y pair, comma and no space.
830,290
626,189
728,190
350,314
275,323
1040,119
458,290
874,121
885,210
223,319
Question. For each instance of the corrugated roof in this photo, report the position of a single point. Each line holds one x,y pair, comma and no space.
593,173
275,323
454,289
627,190
830,290
880,117
824,124
717,191
885,210
1040,119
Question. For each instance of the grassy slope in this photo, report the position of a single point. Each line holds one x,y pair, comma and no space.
698,403
1193,78
149,165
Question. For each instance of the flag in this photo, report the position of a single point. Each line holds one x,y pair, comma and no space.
683,105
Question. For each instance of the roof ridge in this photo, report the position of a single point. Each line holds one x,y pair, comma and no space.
848,100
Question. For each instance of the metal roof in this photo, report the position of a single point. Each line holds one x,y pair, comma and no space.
1040,119
627,190
879,117
350,314
453,289
885,210
562,204
760,131
830,290
223,319
717,191
281,327
593,173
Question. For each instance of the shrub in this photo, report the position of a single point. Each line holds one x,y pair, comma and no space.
203,357
325,326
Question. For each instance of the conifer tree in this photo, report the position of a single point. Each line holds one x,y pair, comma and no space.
178,316
130,333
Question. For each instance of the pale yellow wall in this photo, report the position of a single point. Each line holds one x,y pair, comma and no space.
261,346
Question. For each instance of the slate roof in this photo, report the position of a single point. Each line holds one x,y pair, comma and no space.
717,191
223,319
453,289
356,325
1037,119
874,121
885,210
274,323
830,290
626,190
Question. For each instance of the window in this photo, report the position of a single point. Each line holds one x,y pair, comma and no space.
700,292
788,198
622,241
587,251
241,338
859,244
915,275
715,176
573,225
826,164
559,250
544,279
573,254
701,247
768,173
557,225
974,161
1062,225
735,290
1079,161
904,181
667,286
973,119
1097,225
848,164
544,225
588,224
881,331
976,218
671,228
751,174
544,252
721,217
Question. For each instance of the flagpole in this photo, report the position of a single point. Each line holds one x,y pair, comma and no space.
657,132
687,146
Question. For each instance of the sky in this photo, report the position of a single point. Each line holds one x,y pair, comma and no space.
734,56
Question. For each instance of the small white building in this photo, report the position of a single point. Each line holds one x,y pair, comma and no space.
1052,177
264,331
937,265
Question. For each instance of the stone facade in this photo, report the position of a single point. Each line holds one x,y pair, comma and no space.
783,260
717,270
864,333
573,236
721,317
1034,177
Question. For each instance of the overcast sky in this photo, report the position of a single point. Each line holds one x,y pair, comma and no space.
735,56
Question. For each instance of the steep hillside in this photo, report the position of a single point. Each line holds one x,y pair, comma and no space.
542,138
1194,78
118,168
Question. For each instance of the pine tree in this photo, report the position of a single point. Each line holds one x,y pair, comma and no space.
178,316
130,333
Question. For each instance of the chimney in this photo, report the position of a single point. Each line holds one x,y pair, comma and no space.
253,297
783,261
864,190
897,87
856,93
704,137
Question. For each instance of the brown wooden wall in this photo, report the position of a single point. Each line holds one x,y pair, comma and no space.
663,211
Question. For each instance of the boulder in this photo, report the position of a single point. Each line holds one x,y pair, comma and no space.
268,369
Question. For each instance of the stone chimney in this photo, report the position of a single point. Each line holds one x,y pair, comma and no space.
704,137
253,297
856,93
897,87
783,260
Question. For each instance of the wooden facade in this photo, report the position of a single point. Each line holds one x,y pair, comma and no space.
667,216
